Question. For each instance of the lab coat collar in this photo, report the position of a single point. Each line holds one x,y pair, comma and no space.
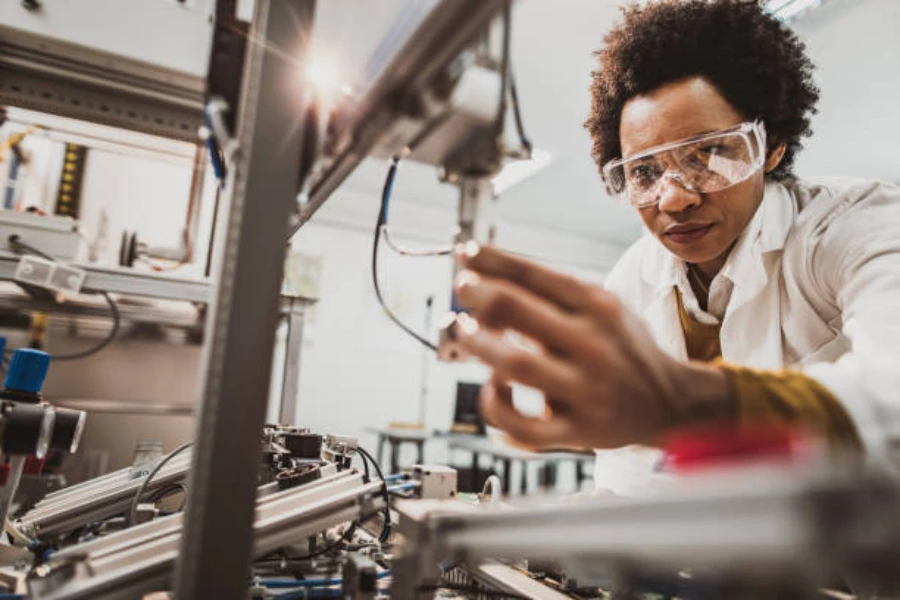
746,268
767,232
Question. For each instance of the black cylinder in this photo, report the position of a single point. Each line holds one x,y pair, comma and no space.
27,429
67,430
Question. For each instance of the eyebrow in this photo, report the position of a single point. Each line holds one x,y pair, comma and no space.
648,151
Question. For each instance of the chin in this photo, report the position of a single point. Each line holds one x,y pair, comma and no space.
698,254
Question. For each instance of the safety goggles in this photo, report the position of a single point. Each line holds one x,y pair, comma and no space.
701,164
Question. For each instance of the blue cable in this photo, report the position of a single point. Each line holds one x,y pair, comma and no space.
396,477
311,593
403,486
296,583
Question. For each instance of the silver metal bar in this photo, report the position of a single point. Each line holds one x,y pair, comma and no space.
58,77
125,281
133,536
262,189
140,559
503,577
295,309
781,525
431,42
133,313
95,500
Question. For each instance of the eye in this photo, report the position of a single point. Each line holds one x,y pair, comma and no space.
643,175
712,149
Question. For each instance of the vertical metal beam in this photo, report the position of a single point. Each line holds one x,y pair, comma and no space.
295,308
216,544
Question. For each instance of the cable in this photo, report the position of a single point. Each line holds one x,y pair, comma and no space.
382,221
282,583
412,485
386,529
469,589
505,65
406,251
311,593
16,241
493,489
331,546
132,514
113,332
517,114
16,534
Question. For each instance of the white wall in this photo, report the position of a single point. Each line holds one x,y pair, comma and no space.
856,49
358,368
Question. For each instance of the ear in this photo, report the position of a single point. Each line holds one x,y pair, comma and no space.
774,157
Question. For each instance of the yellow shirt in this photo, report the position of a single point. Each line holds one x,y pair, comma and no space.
779,397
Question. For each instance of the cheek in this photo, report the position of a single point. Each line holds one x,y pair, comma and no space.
649,216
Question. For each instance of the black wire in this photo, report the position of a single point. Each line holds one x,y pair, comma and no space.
145,484
504,65
386,529
329,547
16,241
382,220
469,589
517,113
113,332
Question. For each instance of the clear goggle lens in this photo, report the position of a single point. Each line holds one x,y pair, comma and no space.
704,164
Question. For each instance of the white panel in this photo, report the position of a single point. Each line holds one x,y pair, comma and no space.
855,47
163,32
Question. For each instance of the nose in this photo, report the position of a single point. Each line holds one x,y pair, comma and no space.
675,196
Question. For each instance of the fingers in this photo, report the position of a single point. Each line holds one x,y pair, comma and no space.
549,374
528,432
501,304
564,290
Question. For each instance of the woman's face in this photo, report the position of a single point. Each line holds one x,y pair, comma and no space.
699,228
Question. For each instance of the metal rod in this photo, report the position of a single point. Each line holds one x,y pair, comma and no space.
293,348
216,546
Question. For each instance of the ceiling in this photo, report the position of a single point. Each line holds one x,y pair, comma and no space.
552,74
552,56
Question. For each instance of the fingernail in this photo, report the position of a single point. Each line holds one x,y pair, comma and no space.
467,250
467,325
466,278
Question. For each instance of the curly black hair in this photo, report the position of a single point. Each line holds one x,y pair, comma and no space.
757,63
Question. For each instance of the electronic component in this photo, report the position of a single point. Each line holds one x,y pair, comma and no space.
56,236
436,482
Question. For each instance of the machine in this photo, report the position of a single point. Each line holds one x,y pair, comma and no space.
250,509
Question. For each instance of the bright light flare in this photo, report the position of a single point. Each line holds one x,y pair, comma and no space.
324,77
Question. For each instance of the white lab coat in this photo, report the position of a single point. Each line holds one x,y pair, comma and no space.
815,285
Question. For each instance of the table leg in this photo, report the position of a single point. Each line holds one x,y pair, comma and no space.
379,455
580,476
523,482
395,456
507,475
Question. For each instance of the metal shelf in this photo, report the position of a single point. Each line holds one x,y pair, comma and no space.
126,281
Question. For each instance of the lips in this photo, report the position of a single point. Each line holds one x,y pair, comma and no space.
688,233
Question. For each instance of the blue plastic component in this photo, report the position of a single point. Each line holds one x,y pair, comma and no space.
27,370
2,346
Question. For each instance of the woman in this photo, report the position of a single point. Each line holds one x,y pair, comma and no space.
754,296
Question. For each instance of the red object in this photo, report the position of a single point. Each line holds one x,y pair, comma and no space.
711,448
4,474
33,465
